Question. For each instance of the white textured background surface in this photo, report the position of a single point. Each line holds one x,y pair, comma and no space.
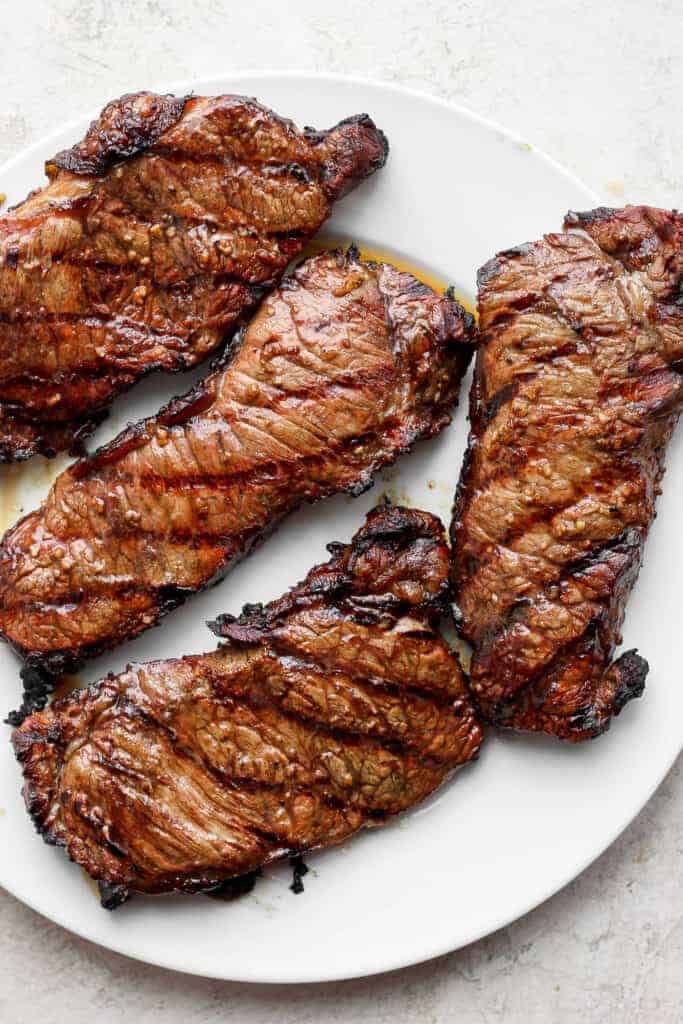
598,86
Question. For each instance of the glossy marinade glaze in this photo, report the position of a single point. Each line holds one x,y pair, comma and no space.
156,235
577,389
344,368
326,711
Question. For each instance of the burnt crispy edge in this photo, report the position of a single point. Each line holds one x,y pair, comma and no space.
114,896
353,149
629,671
41,672
21,439
577,218
124,129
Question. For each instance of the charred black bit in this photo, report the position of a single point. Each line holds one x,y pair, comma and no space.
232,888
299,172
632,670
38,685
125,128
299,870
112,896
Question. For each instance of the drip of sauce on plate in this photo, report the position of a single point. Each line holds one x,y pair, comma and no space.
66,685
372,252
19,482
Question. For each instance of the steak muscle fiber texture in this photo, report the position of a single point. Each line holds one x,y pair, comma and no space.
323,712
154,238
344,367
577,389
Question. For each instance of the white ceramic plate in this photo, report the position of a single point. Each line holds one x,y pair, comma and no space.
507,832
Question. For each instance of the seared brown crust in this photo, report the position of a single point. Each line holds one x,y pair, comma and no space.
154,239
326,711
343,369
125,128
577,390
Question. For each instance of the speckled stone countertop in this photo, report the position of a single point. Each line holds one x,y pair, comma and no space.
596,85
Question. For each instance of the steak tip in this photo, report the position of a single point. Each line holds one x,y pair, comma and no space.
364,124
246,629
489,270
629,672
351,151
577,218
388,521
493,267
467,318
631,669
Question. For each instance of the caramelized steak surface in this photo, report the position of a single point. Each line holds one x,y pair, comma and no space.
344,367
577,389
154,237
323,712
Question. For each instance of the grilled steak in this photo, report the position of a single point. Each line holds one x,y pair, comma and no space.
324,712
343,369
154,237
577,390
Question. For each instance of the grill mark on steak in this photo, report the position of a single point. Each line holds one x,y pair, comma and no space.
575,607
605,495
341,371
276,729
202,255
291,706
131,276
152,242
558,489
303,664
183,774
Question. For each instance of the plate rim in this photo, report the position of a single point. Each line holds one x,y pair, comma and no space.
188,85
216,81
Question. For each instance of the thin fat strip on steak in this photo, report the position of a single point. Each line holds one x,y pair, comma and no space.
155,237
577,390
326,711
344,368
